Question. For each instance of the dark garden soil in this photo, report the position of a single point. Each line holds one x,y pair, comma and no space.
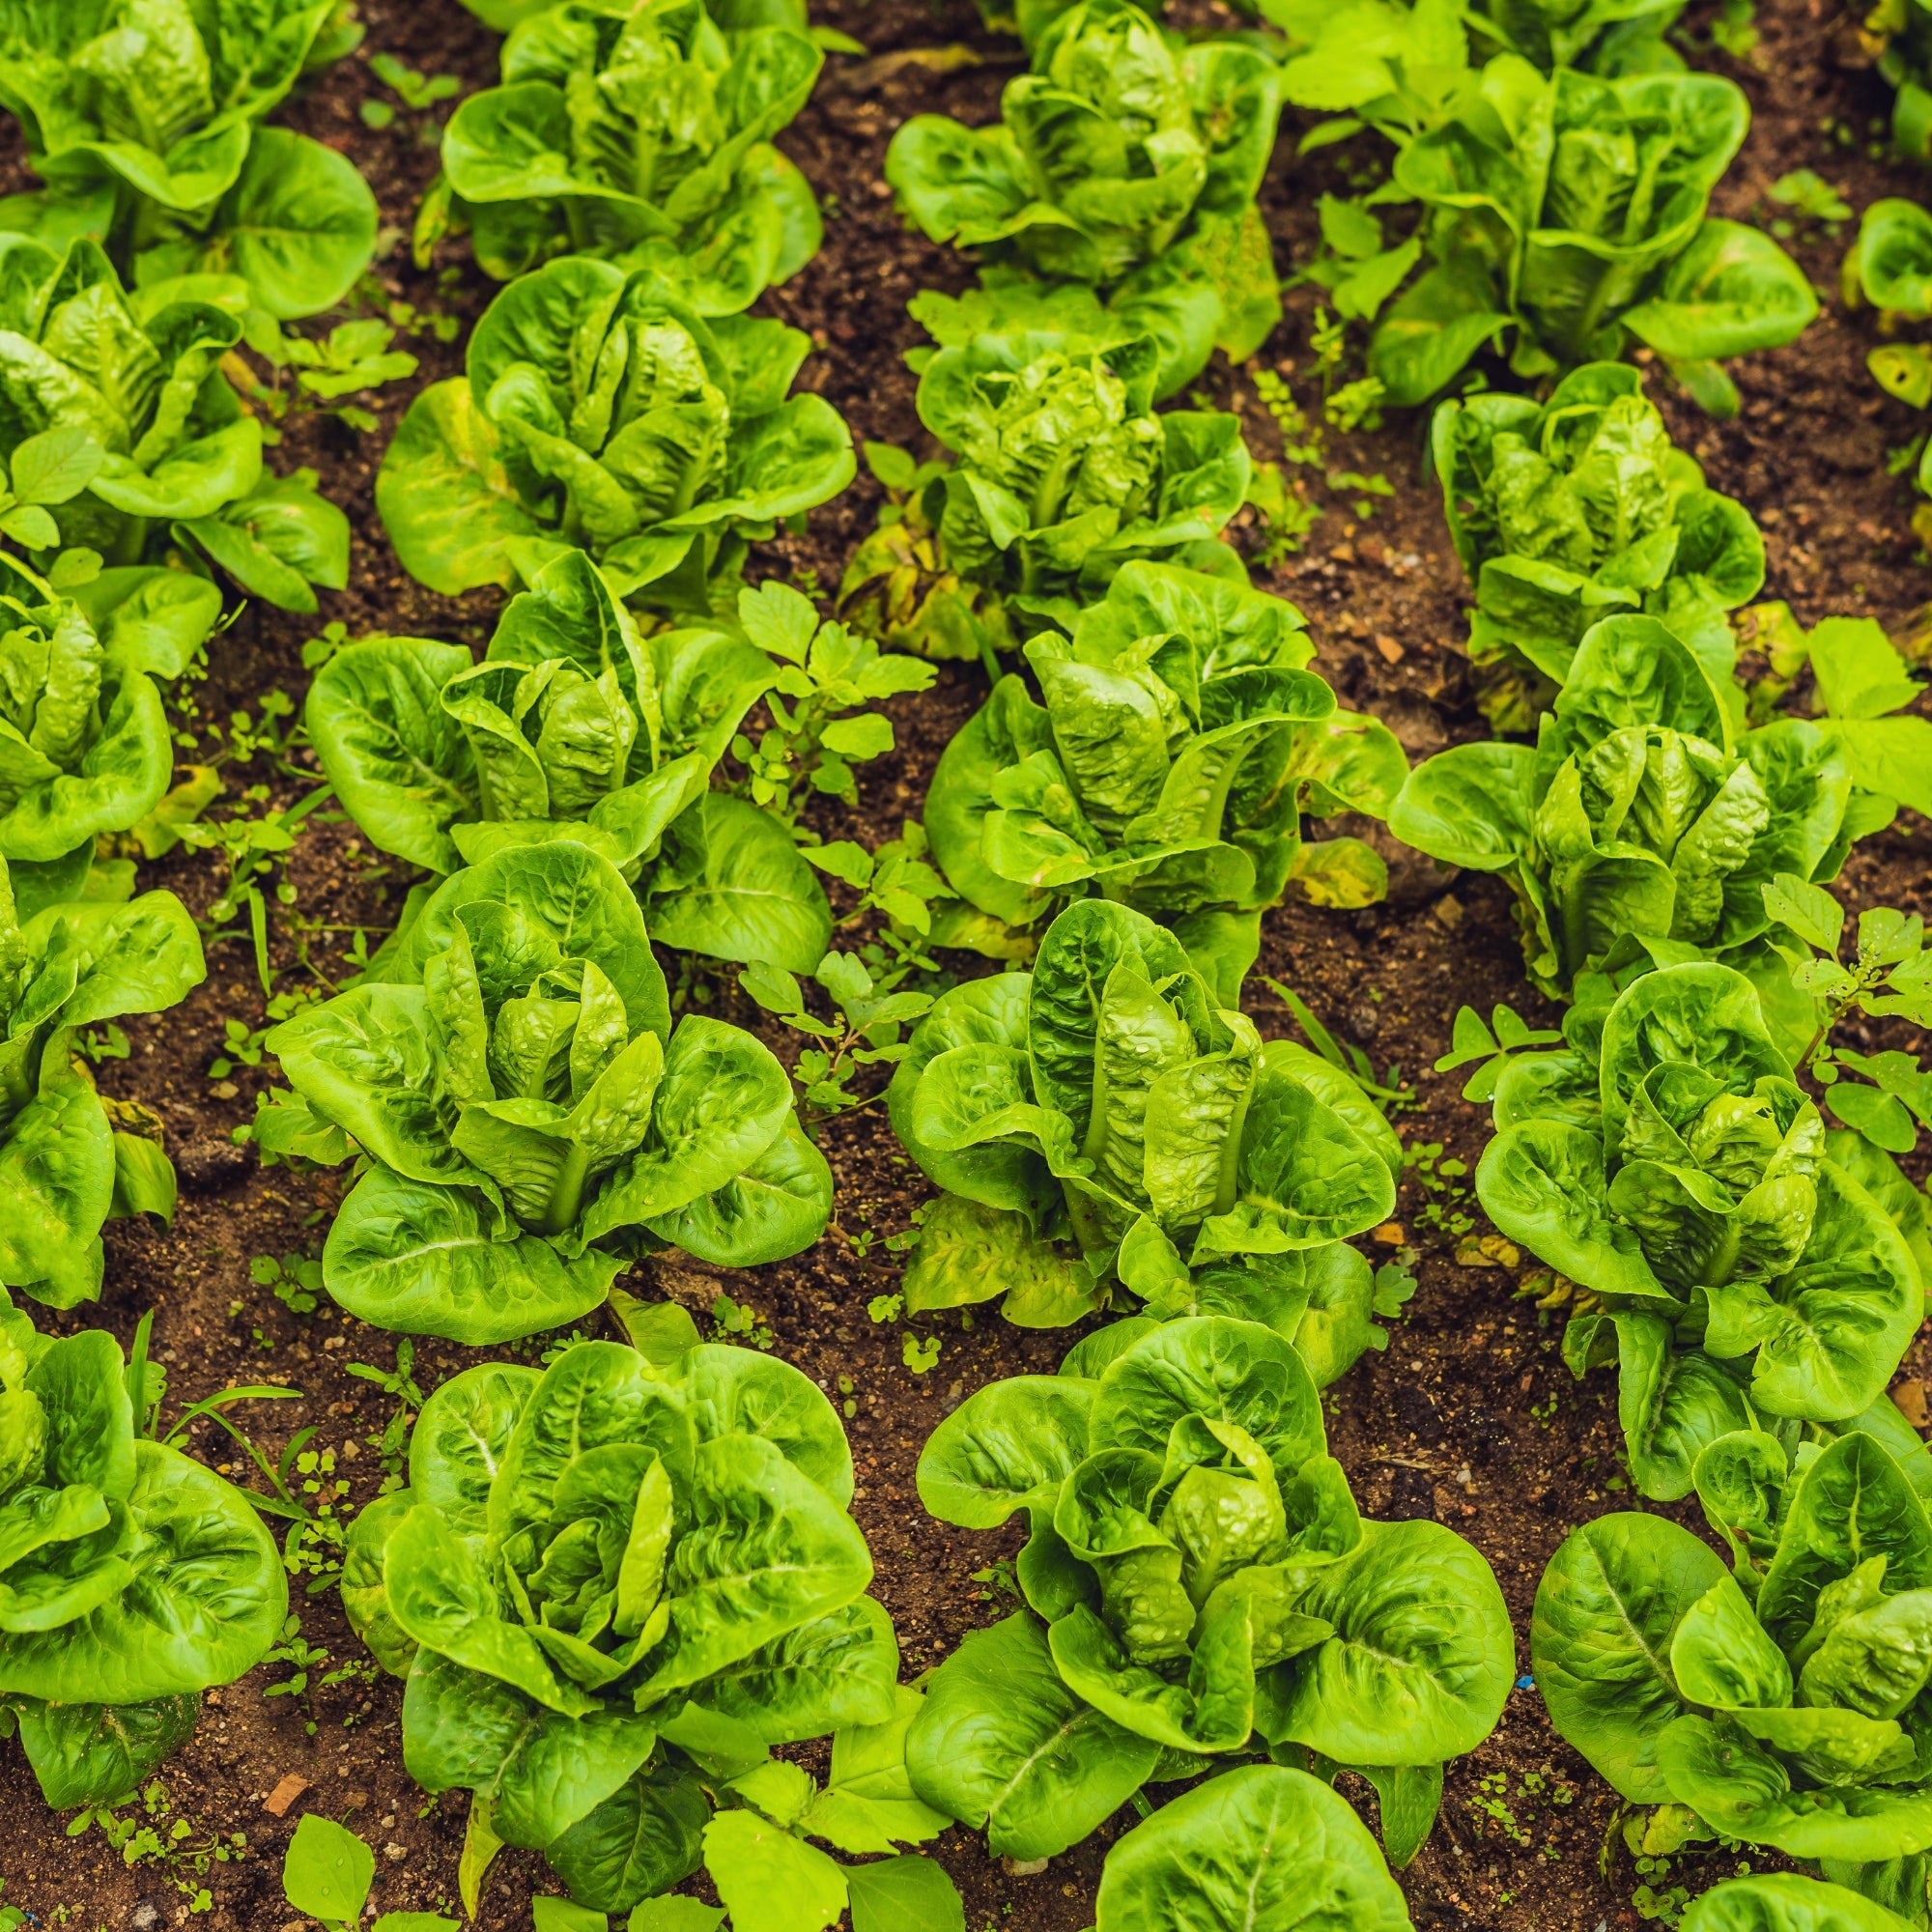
1468,1417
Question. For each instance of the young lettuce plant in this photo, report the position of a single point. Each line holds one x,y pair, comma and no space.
1777,1704
1569,212
1612,38
1199,1589
1784,1902
132,1579
1179,744
88,751
1899,34
527,1121
1737,1264
601,410
1569,511
1061,474
574,727
612,1587
1641,821
124,437
1181,739
1100,1122
144,119
640,134
64,1169
1123,163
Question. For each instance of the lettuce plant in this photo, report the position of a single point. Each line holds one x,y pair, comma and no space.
1641,819
1123,163
599,409
1737,1264
63,1168
1100,1122
1286,1847
1181,739
144,119
1570,213
641,134
120,434
575,728
1784,1902
1062,473
1199,1587
1604,37
528,1120
1778,1703
1568,511
612,1588
1900,33
132,1577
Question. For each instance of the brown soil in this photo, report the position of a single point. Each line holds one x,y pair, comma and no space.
1468,1417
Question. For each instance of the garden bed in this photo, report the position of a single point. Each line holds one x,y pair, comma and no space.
1468,1417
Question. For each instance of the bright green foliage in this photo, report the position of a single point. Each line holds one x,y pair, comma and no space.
575,728
143,117
84,745
1887,1095
328,1873
1063,475
1602,37
116,416
1781,1703
1181,741
529,1121
1101,1120
1571,211
612,1587
601,410
63,1169
1902,32
1198,1582
1568,511
641,134
1783,1902
132,1579
1890,267
1668,1162
1287,1851
1393,68
827,672
1124,161
1641,821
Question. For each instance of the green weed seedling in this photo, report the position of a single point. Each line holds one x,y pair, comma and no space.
1885,1096
327,1874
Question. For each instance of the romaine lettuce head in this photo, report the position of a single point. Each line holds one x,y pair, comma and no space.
1669,1163
119,431
1062,473
574,727
601,410
1567,512
1181,741
1640,818
607,1580
1199,1581
1124,161
1569,212
1781,1703
530,1120
132,1577
1612,38
641,134
144,117
66,962
1102,1121
1903,34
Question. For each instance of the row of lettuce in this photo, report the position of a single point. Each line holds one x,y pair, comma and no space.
617,1586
